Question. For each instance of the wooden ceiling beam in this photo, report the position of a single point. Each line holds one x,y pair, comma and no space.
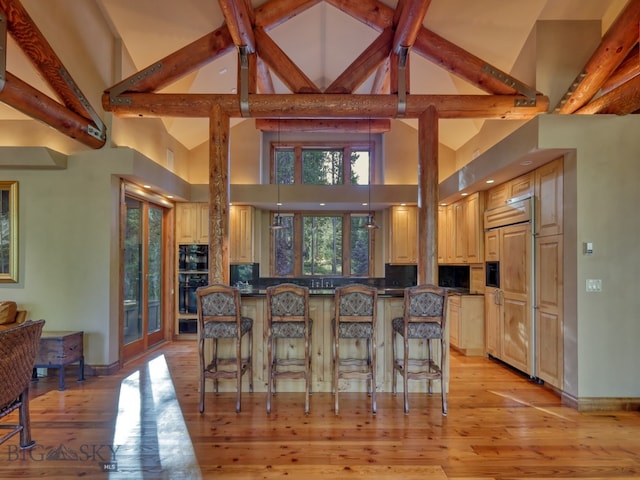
431,46
616,44
382,79
363,66
372,13
281,65
264,79
205,49
178,64
327,106
240,18
306,125
622,100
33,43
274,12
461,63
26,99
628,69
409,23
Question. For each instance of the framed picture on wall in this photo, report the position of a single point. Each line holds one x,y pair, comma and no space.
8,231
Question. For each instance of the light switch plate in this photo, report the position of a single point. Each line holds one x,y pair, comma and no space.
594,285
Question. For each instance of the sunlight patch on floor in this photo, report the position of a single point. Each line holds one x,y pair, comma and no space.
150,433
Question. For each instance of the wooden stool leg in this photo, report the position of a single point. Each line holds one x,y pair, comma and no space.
250,360
373,374
269,371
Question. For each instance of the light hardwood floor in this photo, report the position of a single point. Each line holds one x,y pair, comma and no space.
144,421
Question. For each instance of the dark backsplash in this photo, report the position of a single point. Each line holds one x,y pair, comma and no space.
400,276
396,276
455,276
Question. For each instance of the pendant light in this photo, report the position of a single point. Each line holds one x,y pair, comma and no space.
370,224
277,220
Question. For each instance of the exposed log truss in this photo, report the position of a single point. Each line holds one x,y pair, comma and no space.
387,58
75,117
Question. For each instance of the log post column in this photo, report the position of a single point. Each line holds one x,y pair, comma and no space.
428,196
218,196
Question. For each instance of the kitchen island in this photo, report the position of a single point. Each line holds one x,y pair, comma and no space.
321,309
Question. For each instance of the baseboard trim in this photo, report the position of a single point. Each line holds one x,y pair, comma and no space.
602,404
102,370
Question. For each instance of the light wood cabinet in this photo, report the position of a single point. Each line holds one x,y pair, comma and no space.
403,244
473,225
521,186
466,324
451,233
442,234
497,196
461,225
460,232
509,333
515,285
516,187
492,245
241,245
550,201
477,279
492,320
549,311
192,223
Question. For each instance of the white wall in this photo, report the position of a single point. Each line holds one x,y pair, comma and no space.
66,264
69,244
607,173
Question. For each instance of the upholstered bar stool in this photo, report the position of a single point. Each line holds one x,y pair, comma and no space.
355,318
288,318
423,319
220,317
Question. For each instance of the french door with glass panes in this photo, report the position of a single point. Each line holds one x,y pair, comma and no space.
142,276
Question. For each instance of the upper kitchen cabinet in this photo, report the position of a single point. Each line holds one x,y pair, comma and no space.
241,221
460,234
516,187
474,228
549,195
403,235
192,223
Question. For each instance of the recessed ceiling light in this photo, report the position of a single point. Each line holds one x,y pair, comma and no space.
322,204
526,162
169,196
364,204
147,186
490,181
464,194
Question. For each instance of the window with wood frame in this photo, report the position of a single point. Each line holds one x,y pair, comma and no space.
319,243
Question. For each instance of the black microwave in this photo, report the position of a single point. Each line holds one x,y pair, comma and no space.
492,270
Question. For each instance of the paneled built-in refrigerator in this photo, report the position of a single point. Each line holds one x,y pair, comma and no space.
510,328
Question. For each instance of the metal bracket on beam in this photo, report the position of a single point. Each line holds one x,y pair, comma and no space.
243,52
3,50
114,93
99,130
570,91
518,86
403,54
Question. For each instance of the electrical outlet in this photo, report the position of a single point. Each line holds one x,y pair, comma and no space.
594,285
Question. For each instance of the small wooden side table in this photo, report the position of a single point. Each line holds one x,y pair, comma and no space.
58,349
